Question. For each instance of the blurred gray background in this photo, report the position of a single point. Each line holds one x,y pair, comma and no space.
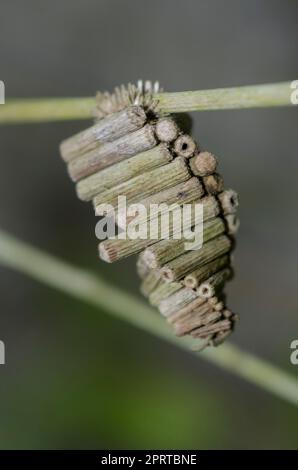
78,379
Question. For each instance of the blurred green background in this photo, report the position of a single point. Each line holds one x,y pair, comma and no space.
74,377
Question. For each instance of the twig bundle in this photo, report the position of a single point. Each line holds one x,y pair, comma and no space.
153,160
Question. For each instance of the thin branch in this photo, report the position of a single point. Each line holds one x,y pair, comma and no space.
254,96
32,110
89,288
63,109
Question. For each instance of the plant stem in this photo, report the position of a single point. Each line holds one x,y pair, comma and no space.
31,110
253,96
62,109
89,288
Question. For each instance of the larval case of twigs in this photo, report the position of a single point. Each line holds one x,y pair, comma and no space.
133,151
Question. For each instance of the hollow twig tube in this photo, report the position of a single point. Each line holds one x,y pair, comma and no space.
186,310
233,223
220,337
106,130
229,201
209,287
204,315
203,164
200,309
219,306
176,301
202,273
112,152
213,301
142,268
146,184
115,249
119,247
214,183
191,321
122,171
205,331
150,282
186,263
210,209
166,250
216,304
162,291
185,146
166,129
182,193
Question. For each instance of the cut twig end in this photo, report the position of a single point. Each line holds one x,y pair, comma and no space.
185,146
107,253
203,164
229,201
166,129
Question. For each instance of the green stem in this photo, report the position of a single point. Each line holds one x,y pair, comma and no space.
62,109
31,110
89,288
254,96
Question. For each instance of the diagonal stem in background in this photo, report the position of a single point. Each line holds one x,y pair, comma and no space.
91,289
62,109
